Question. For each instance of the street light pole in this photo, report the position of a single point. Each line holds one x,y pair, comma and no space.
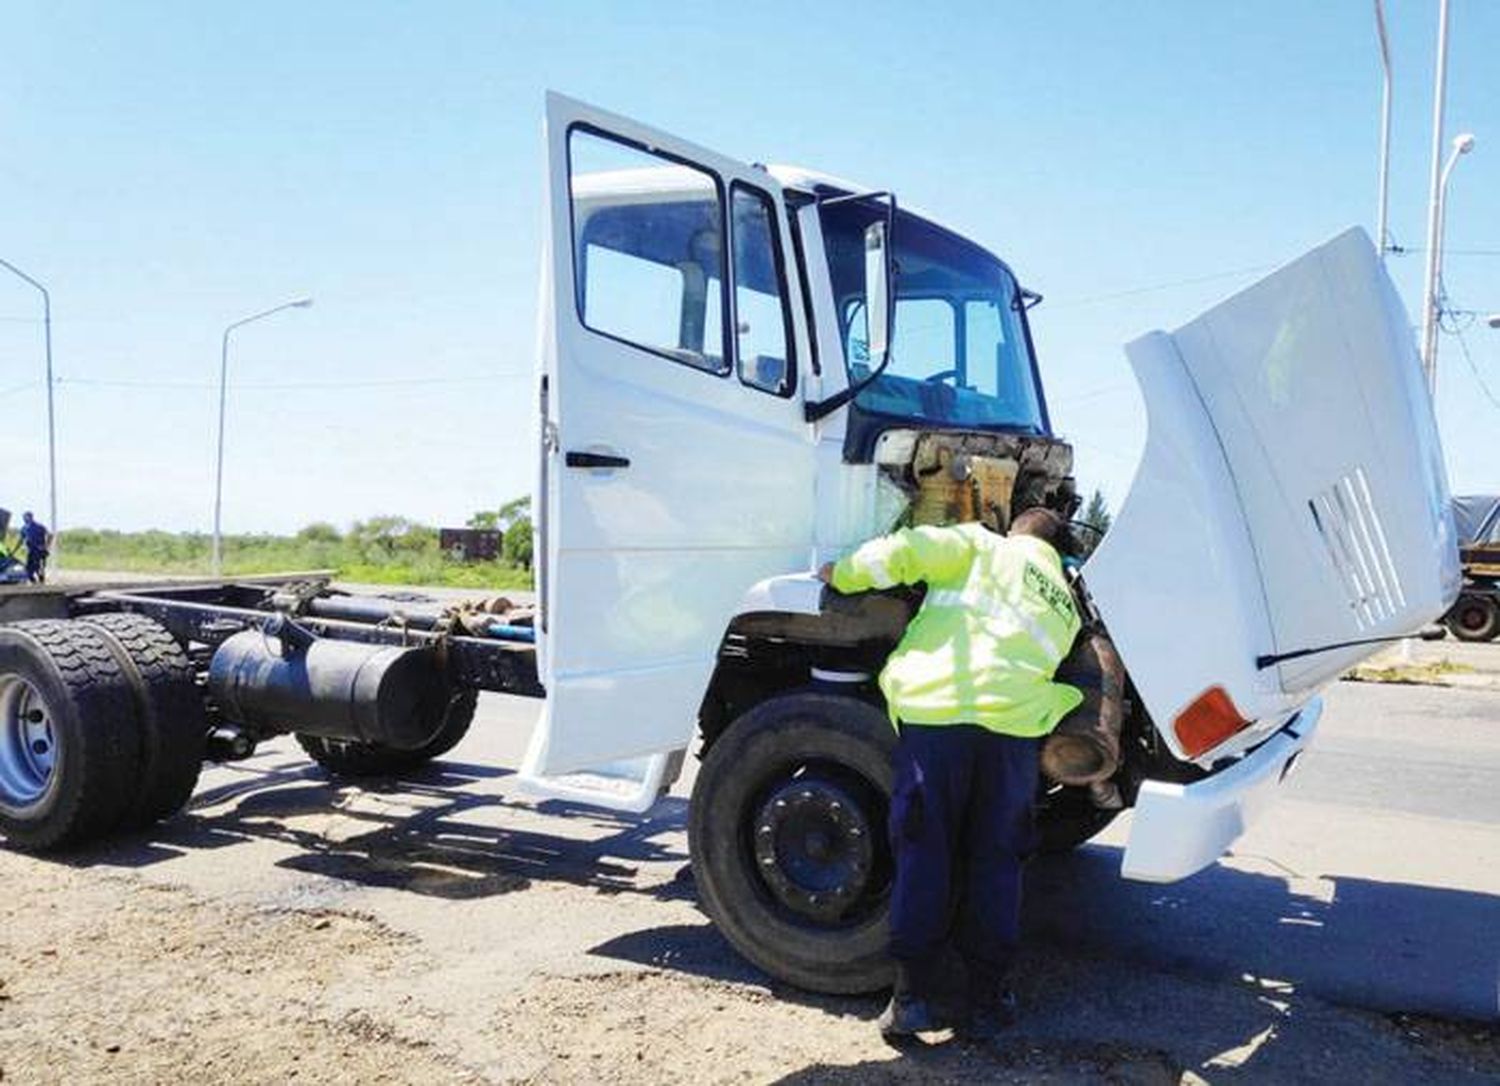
1435,203
1382,236
218,554
1462,145
51,413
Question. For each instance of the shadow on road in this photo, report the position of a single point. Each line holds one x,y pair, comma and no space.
1384,945
423,835
1235,975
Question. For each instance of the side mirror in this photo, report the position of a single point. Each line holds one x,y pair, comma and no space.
877,294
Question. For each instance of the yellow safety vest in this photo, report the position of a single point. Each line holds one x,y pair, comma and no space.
998,618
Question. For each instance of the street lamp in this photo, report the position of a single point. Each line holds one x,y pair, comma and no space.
300,303
1462,145
51,415
1382,240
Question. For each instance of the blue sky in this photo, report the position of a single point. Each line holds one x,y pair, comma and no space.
169,167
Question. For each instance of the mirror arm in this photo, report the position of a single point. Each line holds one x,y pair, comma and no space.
813,412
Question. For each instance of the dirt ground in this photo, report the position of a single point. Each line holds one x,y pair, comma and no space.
113,978
450,929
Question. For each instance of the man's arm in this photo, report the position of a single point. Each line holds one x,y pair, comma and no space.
909,556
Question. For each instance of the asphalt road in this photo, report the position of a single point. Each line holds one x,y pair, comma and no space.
1373,886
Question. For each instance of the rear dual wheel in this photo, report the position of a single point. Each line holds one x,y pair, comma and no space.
101,729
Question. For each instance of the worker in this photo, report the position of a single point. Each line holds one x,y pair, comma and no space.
970,690
35,538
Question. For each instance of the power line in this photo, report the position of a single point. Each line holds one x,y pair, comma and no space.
1463,344
1171,285
394,382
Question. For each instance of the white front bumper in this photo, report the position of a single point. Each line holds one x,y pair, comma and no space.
1180,829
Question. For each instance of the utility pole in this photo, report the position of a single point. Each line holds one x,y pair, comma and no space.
51,412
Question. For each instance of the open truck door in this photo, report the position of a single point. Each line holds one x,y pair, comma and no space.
677,468
1289,511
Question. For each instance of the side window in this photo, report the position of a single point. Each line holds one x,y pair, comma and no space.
762,328
648,250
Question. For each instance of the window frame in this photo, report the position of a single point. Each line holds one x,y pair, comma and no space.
783,290
727,361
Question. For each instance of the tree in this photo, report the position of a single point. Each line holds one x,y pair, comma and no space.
514,510
498,520
1097,515
319,531
517,546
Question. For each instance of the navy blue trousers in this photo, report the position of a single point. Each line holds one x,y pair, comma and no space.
962,824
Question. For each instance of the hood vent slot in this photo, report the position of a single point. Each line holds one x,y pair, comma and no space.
1354,538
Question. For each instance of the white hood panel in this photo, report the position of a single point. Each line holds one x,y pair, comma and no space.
1291,495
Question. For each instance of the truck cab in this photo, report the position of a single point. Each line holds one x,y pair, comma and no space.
746,371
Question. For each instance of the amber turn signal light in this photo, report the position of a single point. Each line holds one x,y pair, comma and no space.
1207,722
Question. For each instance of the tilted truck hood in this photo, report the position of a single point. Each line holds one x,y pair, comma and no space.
1291,494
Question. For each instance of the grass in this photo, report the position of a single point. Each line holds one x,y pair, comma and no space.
1428,674
387,550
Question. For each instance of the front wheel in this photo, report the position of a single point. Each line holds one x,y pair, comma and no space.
1068,817
787,833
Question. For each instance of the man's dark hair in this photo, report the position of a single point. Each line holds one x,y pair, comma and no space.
1048,525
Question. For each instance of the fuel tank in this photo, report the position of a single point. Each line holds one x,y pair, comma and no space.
384,694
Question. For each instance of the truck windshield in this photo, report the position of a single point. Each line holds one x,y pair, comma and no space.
960,355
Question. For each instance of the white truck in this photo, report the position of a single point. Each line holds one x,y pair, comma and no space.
745,371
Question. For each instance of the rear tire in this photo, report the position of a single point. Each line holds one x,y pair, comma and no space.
1474,618
348,758
1067,817
70,740
795,888
174,727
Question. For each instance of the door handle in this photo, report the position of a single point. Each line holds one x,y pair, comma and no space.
577,459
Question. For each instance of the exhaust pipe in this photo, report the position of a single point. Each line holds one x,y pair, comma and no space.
1084,749
283,678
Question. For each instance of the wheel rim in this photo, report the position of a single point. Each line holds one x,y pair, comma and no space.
817,847
28,744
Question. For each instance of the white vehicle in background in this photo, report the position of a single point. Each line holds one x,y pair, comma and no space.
746,371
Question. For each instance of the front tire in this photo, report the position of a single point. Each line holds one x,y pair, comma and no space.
348,758
1067,817
70,740
787,834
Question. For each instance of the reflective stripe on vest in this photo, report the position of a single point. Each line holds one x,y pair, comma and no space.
1011,618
